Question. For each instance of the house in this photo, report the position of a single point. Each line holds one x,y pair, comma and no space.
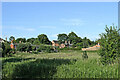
63,45
55,43
96,47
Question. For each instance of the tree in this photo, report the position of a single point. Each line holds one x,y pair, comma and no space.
86,42
36,42
74,38
43,39
21,47
31,40
21,39
62,38
12,39
28,47
109,45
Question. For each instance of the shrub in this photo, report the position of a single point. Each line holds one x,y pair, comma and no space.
84,55
6,49
28,47
109,45
47,49
33,48
21,47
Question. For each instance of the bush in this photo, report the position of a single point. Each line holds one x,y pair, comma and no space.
28,47
21,47
33,48
24,47
109,45
6,49
84,55
47,49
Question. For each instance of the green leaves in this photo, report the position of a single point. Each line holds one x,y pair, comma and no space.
109,45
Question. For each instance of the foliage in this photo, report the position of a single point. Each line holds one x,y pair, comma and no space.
47,49
86,69
31,40
62,38
109,45
84,55
43,39
21,47
86,42
33,48
55,66
6,50
36,42
24,47
28,47
12,39
74,38
21,39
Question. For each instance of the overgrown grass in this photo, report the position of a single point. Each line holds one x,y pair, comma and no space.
65,64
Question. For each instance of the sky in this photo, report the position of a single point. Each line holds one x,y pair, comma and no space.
30,19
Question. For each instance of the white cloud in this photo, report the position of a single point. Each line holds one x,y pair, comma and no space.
101,24
21,28
54,35
90,36
47,27
24,28
72,22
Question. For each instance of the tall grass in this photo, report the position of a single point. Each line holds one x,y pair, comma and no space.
52,65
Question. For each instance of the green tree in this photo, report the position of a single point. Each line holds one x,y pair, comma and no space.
31,40
43,39
21,47
86,42
62,38
74,38
109,45
28,47
37,42
21,39
12,38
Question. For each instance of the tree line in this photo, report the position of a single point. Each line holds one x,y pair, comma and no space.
43,39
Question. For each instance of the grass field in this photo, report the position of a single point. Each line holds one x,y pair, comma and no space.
65,64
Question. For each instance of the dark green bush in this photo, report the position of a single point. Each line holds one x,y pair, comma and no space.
28,47
47,49
6,49
33,48
84,55
21,47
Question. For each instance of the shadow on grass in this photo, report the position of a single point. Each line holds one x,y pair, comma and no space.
15,60
40,68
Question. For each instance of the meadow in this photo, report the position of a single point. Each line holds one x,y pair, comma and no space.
64,64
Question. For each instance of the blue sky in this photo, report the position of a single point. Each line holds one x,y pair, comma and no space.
29,19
